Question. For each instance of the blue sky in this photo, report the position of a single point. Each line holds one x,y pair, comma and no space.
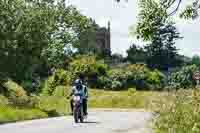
124,15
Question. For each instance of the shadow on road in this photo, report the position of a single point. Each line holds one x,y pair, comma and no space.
91,122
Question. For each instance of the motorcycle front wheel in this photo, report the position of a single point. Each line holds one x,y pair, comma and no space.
76,115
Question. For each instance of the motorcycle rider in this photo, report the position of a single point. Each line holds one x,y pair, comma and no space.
85,97
80,88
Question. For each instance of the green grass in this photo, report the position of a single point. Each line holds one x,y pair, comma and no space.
11,114
48,106
53,105
120,99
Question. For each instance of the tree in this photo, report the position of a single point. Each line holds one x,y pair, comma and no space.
191,10
36,33
156,27
136,54
23,34
74,33
196,60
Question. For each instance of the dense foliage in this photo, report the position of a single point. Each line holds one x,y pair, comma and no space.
137,76
184,77
59,79
155,26
36,35
89,67
136,54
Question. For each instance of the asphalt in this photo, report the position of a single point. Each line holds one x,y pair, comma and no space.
98,121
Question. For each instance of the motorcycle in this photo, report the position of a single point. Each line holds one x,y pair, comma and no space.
78,109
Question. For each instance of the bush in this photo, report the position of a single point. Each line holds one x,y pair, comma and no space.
156,79
118,78
59,78
89,67
183,77
132,91
13,89
103,82
138,76
16,94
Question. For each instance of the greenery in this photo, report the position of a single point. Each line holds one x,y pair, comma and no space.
156,27
137,75
178,112
88,66
36,35
190,11
184,77
196,60
10,114
53,105
120,99
136,54
59,78
45,45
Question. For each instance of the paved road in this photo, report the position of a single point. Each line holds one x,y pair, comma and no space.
100,121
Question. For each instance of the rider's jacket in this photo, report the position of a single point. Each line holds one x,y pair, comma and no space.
80,91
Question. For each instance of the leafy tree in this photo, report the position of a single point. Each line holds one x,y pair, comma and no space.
136,54
196,60
156,27
191,10
23,34
74,32
35,33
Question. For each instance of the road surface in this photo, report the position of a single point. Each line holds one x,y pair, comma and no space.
98,121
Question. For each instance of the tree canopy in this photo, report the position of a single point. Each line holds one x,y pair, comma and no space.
39,33
157,28
190,11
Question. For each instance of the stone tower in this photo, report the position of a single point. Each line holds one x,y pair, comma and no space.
103,40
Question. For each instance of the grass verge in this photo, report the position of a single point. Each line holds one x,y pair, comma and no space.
120,99
179,112
11,114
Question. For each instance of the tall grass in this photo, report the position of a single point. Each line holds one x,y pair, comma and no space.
179,112
120,99
39,107
11,114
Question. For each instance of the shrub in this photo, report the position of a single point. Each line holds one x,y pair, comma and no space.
132,91
118,78
13,89
16,94
183,77
89,67
116,85
138,76
156,79
59,78
103,82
